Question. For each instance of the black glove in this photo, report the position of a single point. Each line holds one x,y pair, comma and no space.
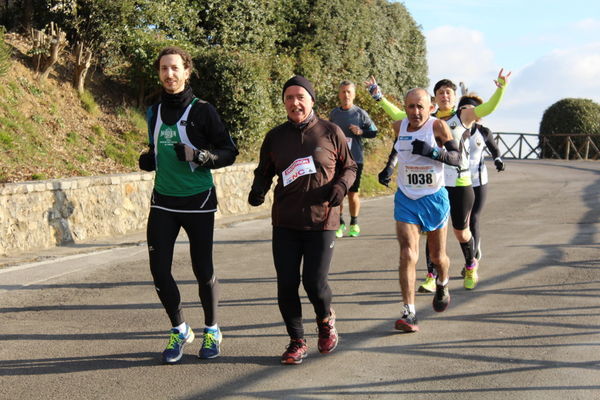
499,164
255,199
338,191
186,153
422,148
385,176
375,92
147,162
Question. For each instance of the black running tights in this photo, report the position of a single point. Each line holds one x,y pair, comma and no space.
290,247
163,228
461,204
480,196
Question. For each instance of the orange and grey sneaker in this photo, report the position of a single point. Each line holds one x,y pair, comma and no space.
408,322
295,352
328,337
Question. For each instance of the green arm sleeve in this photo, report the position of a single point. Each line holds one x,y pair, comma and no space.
489,106
390,109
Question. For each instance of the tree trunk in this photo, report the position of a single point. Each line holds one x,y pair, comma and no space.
47,48
37,37
83,61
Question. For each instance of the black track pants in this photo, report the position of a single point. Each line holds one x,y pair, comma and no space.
163,228
315,250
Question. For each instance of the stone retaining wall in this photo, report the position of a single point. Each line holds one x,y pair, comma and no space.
44,214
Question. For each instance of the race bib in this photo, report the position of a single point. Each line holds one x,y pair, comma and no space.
419,177
300,167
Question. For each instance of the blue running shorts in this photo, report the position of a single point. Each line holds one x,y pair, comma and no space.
429,212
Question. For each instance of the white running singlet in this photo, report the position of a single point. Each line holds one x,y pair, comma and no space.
479,173
461,175
418,176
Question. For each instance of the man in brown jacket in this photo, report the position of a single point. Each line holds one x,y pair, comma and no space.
314,167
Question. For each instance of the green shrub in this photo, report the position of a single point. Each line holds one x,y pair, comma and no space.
246,90
570,116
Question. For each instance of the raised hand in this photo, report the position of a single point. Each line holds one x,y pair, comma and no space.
370,81
502,80
373,88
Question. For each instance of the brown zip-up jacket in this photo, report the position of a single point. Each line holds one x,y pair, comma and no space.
303,203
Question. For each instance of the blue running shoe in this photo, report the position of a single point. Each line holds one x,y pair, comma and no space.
177,342
211,346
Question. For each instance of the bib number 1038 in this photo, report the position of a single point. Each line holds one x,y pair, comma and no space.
420,179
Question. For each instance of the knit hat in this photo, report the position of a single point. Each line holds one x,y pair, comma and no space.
299,80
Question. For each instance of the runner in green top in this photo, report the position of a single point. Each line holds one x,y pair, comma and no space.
186,140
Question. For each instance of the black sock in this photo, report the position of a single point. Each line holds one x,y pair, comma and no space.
342,221
430,266
468,250
353,220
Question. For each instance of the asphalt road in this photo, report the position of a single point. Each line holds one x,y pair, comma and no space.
90,326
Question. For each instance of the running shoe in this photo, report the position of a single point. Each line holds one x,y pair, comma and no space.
441,298
295,352
428,286
408,322
471,276
340,232
177,342
211,345
328,336
354,230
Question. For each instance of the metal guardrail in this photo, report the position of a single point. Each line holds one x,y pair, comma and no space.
559,146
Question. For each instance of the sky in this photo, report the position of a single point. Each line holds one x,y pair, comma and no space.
551,47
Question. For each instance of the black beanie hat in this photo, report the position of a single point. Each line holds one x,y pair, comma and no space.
299,80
